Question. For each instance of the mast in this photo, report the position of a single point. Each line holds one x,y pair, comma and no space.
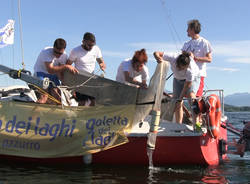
21,32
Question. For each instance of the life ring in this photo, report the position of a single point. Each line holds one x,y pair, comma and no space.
213,115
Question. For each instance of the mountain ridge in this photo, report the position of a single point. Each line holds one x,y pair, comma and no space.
238,99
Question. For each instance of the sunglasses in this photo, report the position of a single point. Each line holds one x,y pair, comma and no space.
89,44
58,53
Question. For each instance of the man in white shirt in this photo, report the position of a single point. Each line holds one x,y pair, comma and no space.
186,78
200,49
50,63
85,56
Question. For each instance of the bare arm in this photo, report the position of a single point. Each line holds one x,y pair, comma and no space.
158,56
186,86
206,59
69,62
132,81
57,69
101,63
144,83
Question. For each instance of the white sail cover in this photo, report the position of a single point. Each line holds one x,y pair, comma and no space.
153,93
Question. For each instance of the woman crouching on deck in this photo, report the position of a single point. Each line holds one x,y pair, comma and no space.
134,71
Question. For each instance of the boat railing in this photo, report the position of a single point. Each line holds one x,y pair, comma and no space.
220,93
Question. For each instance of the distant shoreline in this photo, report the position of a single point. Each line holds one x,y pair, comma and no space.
231,108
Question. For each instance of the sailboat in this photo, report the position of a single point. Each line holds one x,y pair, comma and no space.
115,131
112,132
120,129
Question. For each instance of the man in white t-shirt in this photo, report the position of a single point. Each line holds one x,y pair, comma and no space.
85,56
50,63
186,78
200,48
134,71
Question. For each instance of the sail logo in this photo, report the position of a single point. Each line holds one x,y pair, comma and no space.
47,129
102,131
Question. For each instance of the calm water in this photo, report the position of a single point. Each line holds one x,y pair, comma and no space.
235,170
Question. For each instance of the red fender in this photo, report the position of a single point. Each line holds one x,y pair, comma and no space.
213,115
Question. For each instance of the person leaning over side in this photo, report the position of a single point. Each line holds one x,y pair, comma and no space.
186,79
85,55
134,71
200,48
50,63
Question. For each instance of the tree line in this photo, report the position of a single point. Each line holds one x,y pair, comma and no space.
231,108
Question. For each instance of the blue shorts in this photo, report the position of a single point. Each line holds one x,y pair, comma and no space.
178,86
53,78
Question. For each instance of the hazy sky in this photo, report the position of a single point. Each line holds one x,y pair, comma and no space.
124,26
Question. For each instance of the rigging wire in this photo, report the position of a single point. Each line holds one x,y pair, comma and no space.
171,26
12,46
21,33
13,50
173,31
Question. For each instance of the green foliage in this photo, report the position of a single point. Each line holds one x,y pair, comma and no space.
231,108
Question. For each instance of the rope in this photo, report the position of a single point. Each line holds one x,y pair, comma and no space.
88,86
169,76
64,87
80,85
40,90
20,28
232,127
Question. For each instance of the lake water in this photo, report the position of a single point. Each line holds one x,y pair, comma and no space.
235,170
